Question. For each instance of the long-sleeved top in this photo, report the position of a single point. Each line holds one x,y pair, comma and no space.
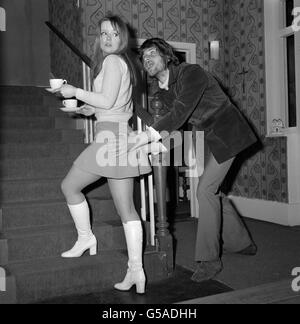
112,91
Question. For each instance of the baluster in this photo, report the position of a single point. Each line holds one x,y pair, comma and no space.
163,237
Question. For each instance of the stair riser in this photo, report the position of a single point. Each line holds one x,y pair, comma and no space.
21,90
21,99
47,136
9,296
54,150
24,111
41,190
52,215
52,244
84,280
57,113
51,100
27,123
29,96
3,252
14,169
55,121
67,122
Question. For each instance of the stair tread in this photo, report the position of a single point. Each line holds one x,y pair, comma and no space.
17,145
39,131
59,263
28,118
42,158
8,105
43,189
47,149
39,230
36,159
37,181
42,203
53,179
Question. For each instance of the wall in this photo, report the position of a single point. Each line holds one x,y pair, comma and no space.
195,21
25,50
264,175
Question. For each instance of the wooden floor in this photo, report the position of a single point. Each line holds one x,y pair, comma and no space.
274,293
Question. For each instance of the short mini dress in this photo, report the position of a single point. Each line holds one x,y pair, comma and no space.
109,155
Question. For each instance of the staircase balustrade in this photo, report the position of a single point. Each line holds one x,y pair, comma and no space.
163,237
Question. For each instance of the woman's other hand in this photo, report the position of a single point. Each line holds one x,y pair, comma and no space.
86,110
68,91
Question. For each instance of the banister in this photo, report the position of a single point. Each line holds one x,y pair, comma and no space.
83,57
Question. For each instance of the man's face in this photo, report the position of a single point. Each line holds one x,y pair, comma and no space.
153,62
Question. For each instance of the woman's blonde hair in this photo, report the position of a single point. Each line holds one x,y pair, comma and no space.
120,26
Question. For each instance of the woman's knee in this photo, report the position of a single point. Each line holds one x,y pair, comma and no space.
67,188
125,211
128,213
64,187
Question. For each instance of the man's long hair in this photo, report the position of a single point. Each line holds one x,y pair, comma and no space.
165,50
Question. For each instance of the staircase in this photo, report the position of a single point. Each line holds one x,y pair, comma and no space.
38,144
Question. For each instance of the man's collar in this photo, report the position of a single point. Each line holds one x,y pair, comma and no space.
172,77
165,85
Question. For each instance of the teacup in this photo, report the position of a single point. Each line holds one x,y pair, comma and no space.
70,103
57,83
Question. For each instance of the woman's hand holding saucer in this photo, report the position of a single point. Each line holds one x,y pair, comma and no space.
86,110
68,91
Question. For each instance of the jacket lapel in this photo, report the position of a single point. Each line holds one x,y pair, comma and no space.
174,72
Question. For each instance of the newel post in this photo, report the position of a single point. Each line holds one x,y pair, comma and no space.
163,237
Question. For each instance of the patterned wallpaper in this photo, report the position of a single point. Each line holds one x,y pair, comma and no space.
264,175
238,25
194,21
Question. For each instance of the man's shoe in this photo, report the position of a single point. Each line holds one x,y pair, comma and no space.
207,270
249,250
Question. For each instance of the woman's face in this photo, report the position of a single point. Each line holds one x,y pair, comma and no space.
109,38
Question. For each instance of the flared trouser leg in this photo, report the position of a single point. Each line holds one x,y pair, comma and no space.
211,211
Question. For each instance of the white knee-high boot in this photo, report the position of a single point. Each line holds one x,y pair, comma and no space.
135,273
86,239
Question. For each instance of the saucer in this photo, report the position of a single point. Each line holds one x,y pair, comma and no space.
66,109
52,90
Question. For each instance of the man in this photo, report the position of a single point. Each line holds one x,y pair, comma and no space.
193,95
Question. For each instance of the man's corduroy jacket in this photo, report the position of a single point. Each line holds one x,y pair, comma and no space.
195,96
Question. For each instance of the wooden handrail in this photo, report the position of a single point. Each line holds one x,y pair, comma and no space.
83,57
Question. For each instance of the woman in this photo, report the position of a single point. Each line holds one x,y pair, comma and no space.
111,103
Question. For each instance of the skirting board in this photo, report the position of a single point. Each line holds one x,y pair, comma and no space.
268,211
